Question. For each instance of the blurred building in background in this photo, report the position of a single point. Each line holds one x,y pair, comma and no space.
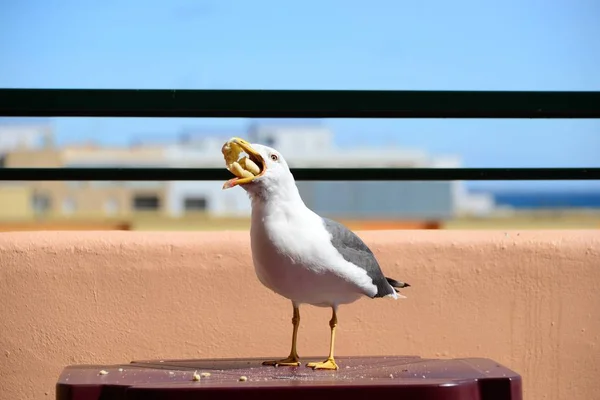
304,146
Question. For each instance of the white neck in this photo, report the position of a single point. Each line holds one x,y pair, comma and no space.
283,192
280,198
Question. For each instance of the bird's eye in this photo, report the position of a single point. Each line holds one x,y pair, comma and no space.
274,157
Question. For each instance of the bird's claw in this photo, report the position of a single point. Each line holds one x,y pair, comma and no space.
290,361
328,364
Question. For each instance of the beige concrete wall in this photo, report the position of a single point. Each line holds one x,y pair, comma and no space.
45,158
529,300
15,202
116,155
89,201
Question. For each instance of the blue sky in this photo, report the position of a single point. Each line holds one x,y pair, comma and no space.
326,44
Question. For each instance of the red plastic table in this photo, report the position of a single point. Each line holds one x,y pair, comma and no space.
406,378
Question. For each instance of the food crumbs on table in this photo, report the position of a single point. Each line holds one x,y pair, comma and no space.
243,378
195,377
103,372
205,374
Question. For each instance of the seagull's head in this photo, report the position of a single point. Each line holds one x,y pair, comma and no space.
255,166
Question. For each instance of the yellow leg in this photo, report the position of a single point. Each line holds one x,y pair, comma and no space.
292,360
330,362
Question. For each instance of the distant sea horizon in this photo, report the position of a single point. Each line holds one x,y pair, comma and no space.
545,199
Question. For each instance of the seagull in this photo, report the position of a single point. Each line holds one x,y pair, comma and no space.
306,258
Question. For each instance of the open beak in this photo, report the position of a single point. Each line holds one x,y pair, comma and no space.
247,168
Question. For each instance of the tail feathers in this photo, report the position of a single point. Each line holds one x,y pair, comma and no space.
396,284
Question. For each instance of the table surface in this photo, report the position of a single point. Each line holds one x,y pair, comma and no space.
409,376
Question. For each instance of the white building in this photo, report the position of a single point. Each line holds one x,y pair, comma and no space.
304,145
309,146
24,134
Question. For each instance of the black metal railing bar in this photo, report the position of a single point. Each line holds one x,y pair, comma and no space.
301,174
297,103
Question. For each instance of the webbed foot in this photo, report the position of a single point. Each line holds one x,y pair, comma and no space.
327,364
290,361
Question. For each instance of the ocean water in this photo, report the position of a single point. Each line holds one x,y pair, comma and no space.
540,200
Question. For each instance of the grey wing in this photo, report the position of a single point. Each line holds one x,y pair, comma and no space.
354,250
